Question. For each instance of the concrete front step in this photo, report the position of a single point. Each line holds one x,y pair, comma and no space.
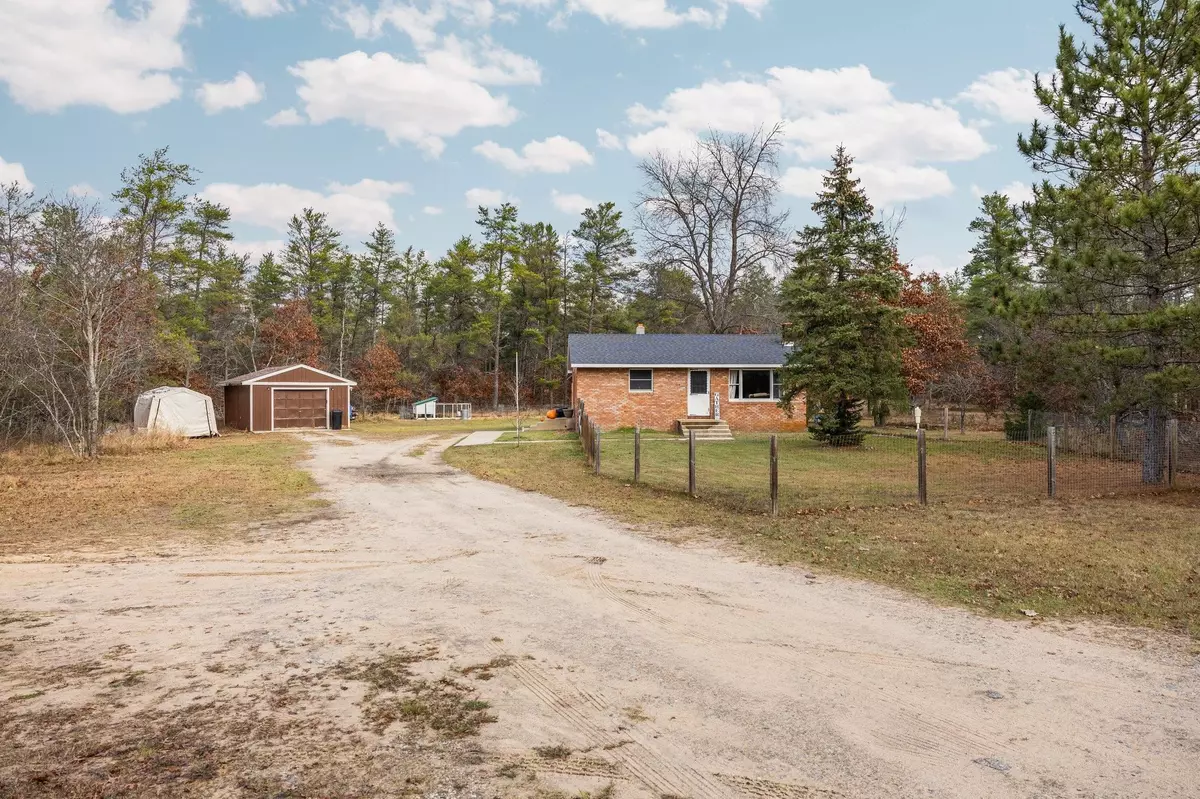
705,429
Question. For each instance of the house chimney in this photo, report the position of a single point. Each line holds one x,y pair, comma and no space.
641,329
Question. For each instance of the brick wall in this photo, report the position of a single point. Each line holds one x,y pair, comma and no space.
610,404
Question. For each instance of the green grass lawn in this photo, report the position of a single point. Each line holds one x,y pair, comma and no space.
991,541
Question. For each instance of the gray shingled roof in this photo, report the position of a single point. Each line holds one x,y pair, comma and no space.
666,349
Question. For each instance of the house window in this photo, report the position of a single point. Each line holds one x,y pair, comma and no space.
754,384
641,379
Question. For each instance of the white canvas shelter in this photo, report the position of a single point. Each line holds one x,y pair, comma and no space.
176,410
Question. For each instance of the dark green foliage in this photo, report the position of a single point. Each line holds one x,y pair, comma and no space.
843,300
839,428
1116,231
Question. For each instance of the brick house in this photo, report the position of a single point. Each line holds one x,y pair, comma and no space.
677,381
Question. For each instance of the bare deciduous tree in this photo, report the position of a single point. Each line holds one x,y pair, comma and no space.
89,324
711,211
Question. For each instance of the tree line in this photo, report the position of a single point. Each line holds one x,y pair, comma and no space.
1082,300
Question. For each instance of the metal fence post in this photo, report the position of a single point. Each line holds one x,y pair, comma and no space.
1051,462
692,462
1172,451
637,454
1112,437
1029,427
922,470
596,456
774,475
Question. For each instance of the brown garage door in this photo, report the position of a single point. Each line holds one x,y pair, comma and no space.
296,408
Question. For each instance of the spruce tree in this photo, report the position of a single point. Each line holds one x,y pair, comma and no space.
843,301
1121,216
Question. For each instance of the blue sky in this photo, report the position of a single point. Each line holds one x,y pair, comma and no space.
413,111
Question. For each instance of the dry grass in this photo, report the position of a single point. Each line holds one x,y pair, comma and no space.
158,487
1132,559
380,427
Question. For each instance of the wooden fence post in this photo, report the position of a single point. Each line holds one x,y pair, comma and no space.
774,475
945,423
1052,461
692,462
1112,437
1172,451
922,469
596,456
1029,428
637,454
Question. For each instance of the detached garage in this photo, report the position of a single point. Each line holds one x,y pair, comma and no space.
294,397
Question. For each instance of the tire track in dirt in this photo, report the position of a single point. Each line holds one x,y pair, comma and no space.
645,765
929,736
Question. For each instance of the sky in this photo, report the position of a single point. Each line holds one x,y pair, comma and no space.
414,112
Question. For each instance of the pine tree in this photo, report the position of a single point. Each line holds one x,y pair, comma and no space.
843,300
601,274
499,246
998,273
1121,257
152,204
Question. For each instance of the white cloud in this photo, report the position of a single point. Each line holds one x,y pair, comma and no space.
14,173
885,184
1017,192
432,210
420,102
420,19
555,155
933,263
285,118
1005,93
238,92
655,13
893,141
82,190
353,209
608,141
261,8
257,249
570,203
86,53
485,197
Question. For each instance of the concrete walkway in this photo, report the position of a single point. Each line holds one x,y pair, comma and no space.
481,437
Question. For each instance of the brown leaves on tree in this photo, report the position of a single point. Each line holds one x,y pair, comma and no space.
291,335
939,329
380,382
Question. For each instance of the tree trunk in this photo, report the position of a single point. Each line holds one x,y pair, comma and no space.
91,430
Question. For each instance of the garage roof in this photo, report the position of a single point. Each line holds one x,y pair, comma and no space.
272,371
670,349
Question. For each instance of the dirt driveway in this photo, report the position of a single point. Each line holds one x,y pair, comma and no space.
605,658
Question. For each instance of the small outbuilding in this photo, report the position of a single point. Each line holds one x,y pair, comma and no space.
178,410
295,397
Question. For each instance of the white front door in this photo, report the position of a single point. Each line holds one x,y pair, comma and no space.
698,399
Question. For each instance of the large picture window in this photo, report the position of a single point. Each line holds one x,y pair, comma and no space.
760,385
641,379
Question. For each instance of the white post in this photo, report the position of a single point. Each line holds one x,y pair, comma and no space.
717,405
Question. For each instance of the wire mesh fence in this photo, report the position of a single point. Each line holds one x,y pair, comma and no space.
1077,458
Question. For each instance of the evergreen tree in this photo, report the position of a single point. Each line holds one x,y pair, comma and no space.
1121,256
538,288
499,246
998,273
152,202
453,299
843,299
601,274
318,269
